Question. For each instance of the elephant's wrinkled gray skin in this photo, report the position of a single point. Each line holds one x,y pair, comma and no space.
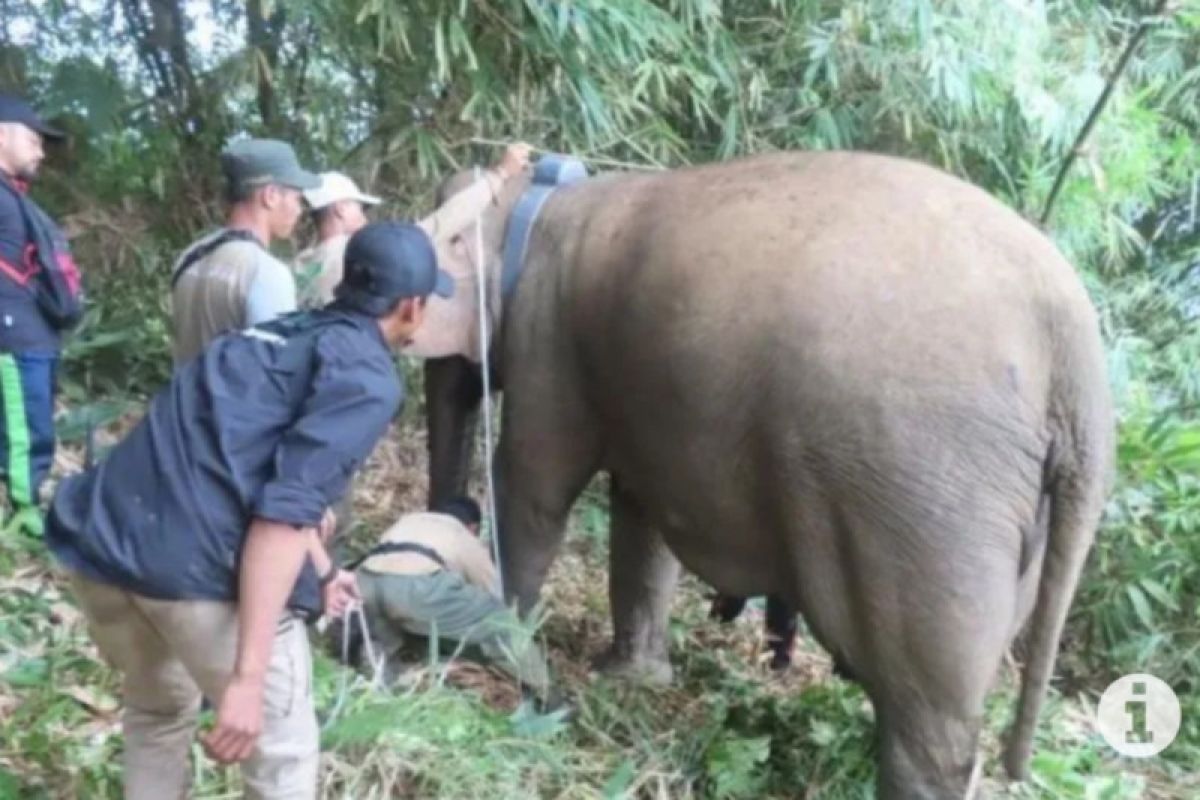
848,380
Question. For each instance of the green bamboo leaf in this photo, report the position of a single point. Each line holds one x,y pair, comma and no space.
1141,606
1159,593
439,50
460,44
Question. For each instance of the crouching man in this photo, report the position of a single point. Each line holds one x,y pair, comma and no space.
430,576
194,549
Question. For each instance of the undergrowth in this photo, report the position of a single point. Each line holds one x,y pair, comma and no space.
726,729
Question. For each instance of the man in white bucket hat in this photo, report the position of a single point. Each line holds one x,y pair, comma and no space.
339,210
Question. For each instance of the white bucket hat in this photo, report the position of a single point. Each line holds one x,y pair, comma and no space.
336,187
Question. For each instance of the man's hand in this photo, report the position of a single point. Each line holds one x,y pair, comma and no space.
514,161
239,721
340,593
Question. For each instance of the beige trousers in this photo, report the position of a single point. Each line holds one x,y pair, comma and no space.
169,652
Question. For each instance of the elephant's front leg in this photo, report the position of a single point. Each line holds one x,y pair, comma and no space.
453,391
642,578
548,452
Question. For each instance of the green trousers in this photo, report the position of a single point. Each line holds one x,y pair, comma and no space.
443,605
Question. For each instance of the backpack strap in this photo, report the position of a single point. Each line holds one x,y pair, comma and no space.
48,265
386,548
200,251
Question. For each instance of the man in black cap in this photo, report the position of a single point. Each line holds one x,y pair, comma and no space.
195,548
39,299
228,279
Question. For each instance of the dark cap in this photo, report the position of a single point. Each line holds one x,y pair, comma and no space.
258,162
14,109
386,262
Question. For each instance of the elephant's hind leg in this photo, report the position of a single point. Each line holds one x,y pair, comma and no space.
944,655
925,753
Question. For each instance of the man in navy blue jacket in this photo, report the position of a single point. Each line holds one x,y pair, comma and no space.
195,547
39,299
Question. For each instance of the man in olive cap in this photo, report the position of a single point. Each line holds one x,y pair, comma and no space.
229,280
40,299
195,547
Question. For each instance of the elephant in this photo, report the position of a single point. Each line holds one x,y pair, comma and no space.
847,380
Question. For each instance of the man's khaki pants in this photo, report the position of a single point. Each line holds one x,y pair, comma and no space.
169,652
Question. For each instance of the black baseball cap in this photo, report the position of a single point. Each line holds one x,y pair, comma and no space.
14,109
386,262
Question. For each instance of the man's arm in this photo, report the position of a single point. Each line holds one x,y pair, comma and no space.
271,561
461,210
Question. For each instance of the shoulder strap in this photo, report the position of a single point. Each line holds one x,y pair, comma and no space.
200,251
384,548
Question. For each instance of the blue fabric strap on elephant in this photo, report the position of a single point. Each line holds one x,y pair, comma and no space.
552,170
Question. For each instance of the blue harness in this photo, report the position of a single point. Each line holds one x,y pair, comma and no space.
552,171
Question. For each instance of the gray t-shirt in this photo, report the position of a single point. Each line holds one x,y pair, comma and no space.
237,285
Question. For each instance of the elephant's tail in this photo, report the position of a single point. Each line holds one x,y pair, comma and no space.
1077,480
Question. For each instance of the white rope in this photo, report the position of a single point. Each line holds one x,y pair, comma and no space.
377,663
481,283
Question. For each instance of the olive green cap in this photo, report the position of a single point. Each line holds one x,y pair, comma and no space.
258,162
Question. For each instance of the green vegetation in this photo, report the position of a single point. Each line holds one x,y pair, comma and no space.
396,94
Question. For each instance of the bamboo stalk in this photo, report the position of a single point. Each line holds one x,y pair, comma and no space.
1101,102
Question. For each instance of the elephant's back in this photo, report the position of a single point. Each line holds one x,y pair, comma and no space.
871,271
845,225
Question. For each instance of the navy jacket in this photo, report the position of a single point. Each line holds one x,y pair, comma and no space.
269,422
40,293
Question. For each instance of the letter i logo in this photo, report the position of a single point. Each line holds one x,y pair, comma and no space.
1139,715
1138,733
